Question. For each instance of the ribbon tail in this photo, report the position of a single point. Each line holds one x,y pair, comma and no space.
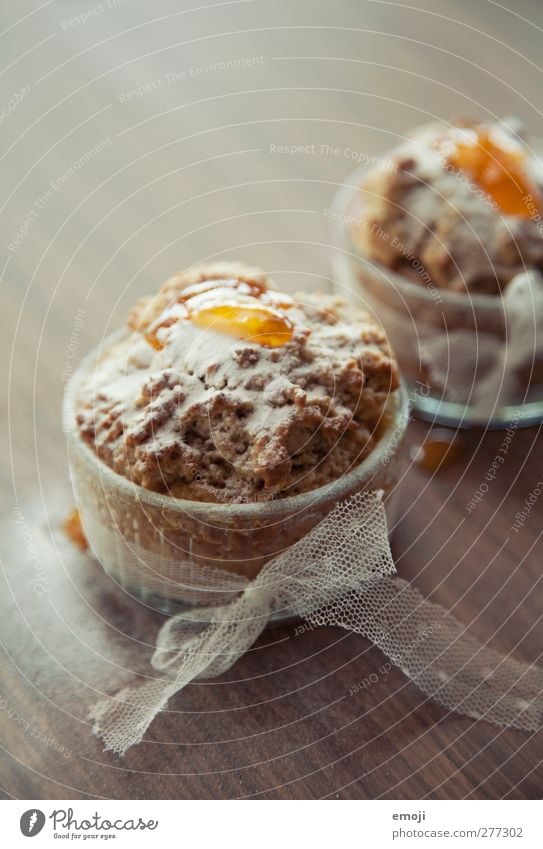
434,650
121,721
186,649
457,670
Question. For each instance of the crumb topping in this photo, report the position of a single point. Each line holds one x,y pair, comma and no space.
461,202
212,415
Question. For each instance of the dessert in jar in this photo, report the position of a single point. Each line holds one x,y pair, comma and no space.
443,243
222,424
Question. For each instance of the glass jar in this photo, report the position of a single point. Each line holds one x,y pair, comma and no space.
173,553
468,360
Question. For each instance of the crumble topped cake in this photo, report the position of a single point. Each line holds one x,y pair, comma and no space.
225,390
461,201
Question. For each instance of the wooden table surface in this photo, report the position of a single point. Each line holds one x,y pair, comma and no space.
141,139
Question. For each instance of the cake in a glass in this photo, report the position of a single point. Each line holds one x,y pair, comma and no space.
224,422
445,245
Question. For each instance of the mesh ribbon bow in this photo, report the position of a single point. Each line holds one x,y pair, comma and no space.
341,573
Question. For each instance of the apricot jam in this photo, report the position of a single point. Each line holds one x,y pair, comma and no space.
73,529
440,448
497,166
244,310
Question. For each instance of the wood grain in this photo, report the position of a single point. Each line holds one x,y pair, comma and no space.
188,171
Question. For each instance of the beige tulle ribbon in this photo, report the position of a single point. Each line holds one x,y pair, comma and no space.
341,574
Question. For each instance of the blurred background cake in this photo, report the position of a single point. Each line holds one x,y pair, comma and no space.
462,200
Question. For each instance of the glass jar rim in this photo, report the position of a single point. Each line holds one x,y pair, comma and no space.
275,507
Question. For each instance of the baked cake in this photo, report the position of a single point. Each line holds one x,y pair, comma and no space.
223,389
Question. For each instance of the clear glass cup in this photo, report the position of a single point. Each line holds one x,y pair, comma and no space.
166,551
465,362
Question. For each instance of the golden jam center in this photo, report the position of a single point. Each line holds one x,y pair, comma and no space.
496,165
244,310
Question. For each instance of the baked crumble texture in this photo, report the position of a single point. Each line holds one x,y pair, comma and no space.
426,219
210,417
